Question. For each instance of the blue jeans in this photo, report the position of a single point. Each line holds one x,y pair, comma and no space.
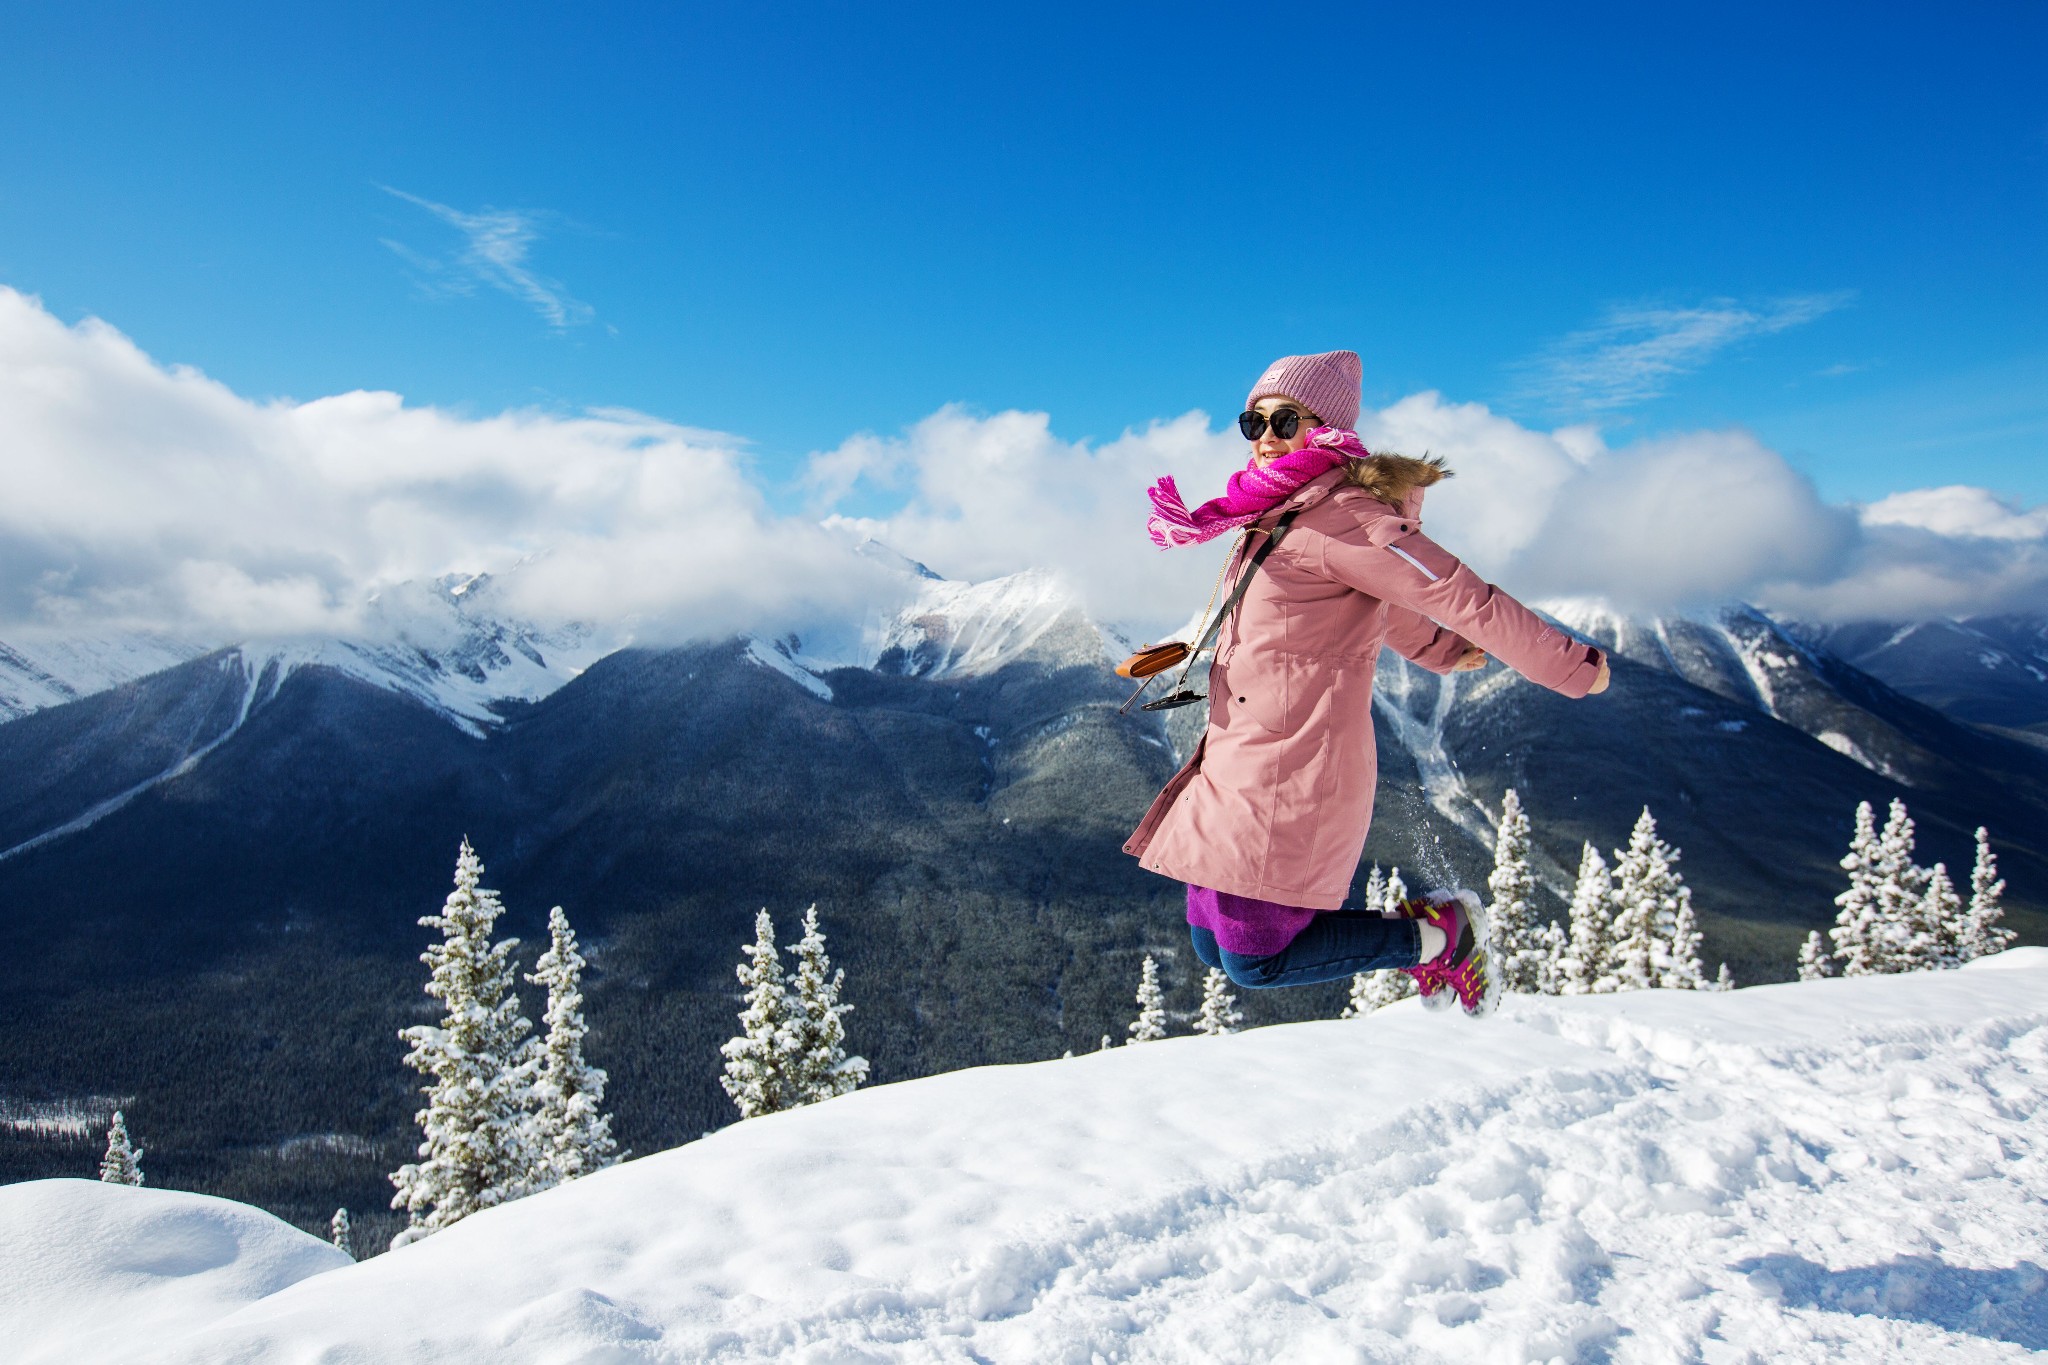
1336,944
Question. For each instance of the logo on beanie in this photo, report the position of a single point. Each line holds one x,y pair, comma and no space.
1272,377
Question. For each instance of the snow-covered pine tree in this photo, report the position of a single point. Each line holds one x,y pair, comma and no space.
1937,924
122,1164
1553,954
1724,980
1638,951
1517,933
1682,969
1911,943
757,1060
1858,934
339,1233
1375,888
572,1135
1984,930
1220,1014
1589,969
1392,894
1656,938
1375,990
479,1064
1815,961
1150,1025
819,1066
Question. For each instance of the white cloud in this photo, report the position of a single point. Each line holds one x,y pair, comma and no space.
494,252
984,496
1679,521
136,495
1958,510
1634,353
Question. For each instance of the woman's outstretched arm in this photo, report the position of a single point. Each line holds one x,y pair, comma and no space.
1423,642
1397,563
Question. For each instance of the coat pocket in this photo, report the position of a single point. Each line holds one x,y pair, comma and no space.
1259,694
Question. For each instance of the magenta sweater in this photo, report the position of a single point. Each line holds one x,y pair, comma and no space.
1246,927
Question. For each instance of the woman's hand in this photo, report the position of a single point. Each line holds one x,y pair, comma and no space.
1473,657
1599,679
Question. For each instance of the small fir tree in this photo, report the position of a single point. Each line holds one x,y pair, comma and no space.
757,1061
1984,930
339,1233
1376,990
1656,943
1553,959
122,1164
1391,895
1517,933
819,1066
1816,963
572,1135
1682,969
1909,941
1858,934
1635,954
1375,889
1220,1014
1150,1025
479,1064
1936,925
1589,970
1724,980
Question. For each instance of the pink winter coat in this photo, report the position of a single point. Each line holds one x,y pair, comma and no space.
1276,799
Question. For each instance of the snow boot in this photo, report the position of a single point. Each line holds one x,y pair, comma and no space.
1464,969
1429,983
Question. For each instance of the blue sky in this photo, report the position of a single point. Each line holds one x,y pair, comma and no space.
1825,224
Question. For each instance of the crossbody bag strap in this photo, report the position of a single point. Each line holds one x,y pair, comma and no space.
1244,581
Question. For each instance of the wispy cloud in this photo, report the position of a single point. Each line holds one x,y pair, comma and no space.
493,253
1635,352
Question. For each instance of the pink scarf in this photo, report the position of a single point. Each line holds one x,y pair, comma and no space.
1252,491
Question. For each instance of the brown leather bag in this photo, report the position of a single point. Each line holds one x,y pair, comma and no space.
1152,659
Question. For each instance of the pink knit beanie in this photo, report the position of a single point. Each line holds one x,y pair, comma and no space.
1327,384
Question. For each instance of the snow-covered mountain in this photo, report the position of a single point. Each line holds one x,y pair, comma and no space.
45,669
452,646
1989,670
1743,656
446,644
1836,1171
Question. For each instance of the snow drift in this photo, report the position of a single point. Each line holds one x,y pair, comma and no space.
94,1272
1838,1170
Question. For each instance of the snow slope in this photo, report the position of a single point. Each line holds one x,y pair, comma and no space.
40,670
1841,1170
92,1272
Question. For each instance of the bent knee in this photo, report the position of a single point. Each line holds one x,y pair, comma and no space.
1252,973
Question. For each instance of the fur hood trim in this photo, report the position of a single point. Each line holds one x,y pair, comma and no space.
1391,478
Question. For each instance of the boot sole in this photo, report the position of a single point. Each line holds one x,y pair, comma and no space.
1482,934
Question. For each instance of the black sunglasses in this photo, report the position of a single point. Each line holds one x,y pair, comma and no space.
1285,422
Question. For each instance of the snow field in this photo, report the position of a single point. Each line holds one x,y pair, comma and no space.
1844,1170
97,1272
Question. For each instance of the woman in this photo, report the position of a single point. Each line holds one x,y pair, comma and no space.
1267,820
